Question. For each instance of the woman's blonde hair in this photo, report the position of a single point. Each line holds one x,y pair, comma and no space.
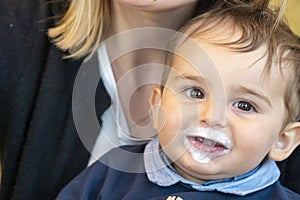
83,27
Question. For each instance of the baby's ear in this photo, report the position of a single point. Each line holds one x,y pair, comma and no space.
155,103
287,141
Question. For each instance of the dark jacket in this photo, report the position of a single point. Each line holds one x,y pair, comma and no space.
39,146
40,149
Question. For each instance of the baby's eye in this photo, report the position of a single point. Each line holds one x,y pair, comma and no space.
245,106
195,93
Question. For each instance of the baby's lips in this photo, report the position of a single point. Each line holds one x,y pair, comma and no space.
211,137
205,145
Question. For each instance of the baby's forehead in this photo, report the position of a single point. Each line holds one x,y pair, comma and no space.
231,38
199,55
217,30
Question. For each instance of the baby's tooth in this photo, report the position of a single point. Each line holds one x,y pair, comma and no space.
208,142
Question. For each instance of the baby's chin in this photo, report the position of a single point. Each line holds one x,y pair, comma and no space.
199,173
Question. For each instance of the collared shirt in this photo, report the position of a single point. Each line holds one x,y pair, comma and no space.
160,172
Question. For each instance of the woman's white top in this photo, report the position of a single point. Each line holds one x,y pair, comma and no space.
114,130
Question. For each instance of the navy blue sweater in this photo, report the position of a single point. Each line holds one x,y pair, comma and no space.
102,182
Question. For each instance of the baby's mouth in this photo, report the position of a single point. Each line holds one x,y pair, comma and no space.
205,144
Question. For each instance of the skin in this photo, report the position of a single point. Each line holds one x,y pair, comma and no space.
127,14
155,5
130,14
248,108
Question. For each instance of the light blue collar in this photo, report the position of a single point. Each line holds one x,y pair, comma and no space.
160,172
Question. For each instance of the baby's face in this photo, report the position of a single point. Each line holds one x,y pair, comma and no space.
220,117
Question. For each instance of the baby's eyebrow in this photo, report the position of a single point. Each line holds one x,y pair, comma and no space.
197,78
255,93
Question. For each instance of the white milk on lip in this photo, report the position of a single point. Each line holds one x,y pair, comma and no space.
206,133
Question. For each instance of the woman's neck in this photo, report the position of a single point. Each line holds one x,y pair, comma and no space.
126,18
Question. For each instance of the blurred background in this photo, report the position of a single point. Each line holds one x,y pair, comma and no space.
292,14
